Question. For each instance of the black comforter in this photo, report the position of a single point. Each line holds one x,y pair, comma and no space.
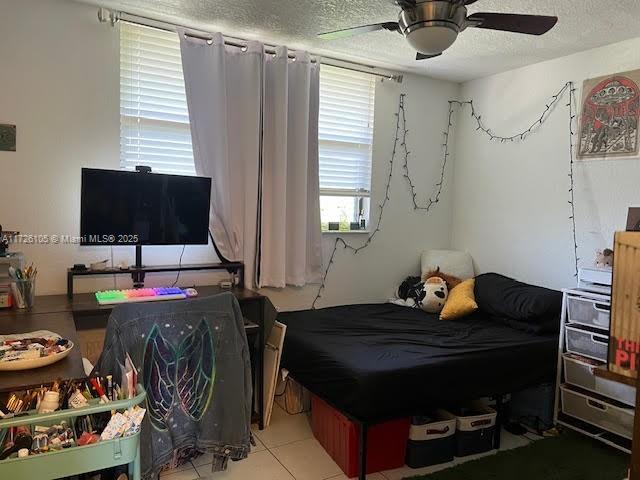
381,361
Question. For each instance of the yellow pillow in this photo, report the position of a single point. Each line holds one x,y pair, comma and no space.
461,301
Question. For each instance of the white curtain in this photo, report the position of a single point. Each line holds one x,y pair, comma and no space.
291,198
254,126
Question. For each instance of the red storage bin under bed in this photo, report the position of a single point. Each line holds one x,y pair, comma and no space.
386,442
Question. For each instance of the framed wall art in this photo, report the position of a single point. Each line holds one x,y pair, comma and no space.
610,113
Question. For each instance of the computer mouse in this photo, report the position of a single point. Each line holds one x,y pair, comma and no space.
191,292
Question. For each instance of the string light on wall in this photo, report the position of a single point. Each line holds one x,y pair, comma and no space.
400,145
572,105
431,201
569,89
524,134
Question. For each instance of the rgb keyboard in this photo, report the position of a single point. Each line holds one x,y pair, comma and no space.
113,297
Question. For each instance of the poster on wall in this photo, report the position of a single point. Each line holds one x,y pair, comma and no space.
610,113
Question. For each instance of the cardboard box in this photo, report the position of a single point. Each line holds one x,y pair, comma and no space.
624,344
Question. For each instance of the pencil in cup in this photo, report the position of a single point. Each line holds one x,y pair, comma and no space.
24,292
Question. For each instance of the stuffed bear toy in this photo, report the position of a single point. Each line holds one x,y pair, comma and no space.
435,295
450,280
604,258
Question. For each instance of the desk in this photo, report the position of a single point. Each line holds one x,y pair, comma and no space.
70,367
86,303
69,317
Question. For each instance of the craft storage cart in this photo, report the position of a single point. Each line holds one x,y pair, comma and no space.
586,401
77,459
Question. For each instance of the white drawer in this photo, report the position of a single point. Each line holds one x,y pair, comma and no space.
586,343
586,311
597,412
595,276
580,373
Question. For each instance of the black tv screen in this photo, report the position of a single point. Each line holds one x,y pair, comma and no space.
131,208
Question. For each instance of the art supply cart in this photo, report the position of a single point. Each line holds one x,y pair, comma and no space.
77,459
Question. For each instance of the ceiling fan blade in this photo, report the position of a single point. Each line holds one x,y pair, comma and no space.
529,24
349,32
422,56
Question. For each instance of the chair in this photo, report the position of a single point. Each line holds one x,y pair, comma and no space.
192,357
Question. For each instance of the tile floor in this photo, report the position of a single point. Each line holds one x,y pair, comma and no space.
286,450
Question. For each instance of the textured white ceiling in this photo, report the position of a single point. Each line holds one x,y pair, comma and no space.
583,24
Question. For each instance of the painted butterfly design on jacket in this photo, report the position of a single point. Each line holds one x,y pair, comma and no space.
178,378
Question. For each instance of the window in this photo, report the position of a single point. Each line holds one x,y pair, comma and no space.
154,123
345,143
154,119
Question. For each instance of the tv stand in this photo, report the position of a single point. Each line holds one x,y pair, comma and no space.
138,273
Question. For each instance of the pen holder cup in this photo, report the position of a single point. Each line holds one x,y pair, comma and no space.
24,292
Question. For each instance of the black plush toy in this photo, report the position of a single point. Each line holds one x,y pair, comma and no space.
430,295
410,292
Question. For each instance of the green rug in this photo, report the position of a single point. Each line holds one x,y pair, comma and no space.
567,457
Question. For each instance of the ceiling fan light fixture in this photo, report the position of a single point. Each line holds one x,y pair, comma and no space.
433,39
432,26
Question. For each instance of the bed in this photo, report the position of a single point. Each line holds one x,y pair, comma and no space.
380,361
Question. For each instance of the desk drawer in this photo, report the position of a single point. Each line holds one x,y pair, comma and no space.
589,312
587,343
597,412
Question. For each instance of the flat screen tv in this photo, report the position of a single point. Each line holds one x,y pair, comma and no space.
131,208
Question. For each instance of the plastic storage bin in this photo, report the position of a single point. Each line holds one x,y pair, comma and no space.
587,311
598,412
586,343
431,440
476,429
579,372
533,407
75,460
588,278
386,442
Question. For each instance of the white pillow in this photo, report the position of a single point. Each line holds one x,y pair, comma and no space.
458,264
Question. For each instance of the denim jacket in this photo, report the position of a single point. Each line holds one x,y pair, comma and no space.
193,360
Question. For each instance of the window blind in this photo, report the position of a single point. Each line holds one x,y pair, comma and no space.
345,131
154,118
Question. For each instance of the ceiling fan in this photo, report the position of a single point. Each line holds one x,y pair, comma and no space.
432,26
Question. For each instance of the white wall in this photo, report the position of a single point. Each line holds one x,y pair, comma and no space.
511,208
59,84
374,273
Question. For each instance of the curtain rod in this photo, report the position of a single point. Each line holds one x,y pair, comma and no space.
113,16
